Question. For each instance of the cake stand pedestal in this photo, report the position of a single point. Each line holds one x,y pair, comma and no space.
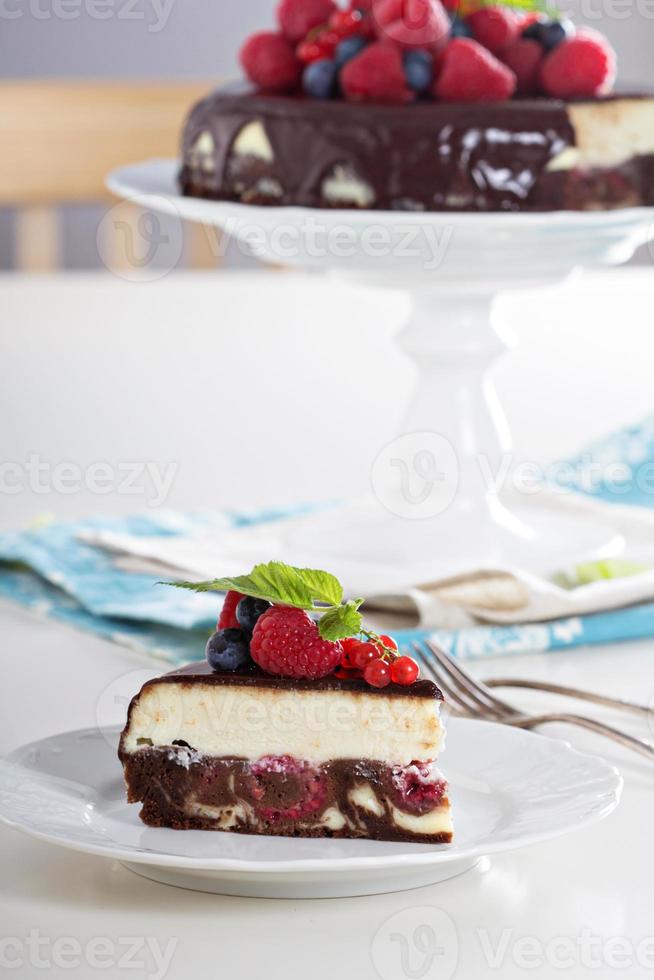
434,503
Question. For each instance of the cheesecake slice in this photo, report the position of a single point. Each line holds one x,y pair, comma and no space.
253,753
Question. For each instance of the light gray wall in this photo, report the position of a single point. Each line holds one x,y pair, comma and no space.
201,37
182,38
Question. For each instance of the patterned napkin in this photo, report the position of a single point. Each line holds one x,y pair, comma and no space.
58,570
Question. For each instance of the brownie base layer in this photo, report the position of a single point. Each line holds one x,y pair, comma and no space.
344,799
425,157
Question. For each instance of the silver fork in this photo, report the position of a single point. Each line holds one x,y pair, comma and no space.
619,704
470,698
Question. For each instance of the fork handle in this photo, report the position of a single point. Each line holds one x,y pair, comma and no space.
572,692
628,741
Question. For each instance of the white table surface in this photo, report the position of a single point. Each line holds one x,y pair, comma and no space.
95,369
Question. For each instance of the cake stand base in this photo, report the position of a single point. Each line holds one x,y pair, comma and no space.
438,488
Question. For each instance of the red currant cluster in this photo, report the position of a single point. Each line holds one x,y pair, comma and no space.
377,660
322,41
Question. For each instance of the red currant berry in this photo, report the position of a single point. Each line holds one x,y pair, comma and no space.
365,654
404,671
377,674
345,22
328,42
310,51
389,642
349,647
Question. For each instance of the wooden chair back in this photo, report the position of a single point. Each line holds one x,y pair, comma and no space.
60,139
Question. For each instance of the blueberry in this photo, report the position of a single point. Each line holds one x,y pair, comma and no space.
459,27
249,610
228,650
549,33
319,79
419,69
349,48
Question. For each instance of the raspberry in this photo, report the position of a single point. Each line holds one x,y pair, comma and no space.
412,23
227,619
583,66
384,12
376,75
297,17
470,73
495,27
524,57
275,778
286,642
418,787
270,62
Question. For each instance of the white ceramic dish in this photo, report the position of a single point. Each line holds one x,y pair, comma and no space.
509,789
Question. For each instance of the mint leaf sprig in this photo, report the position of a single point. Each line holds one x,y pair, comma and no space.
303,588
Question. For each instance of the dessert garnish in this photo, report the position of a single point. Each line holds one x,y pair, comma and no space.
295,622
302,723
399,51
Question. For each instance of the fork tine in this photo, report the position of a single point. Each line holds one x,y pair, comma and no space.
456,694
476,691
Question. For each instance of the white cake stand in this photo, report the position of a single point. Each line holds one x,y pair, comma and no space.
432,507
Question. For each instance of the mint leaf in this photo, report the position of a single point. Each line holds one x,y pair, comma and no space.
280,583
341,622
303,588
322,586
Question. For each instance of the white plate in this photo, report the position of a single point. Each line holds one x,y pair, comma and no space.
509,789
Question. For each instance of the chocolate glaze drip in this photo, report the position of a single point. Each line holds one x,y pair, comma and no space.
428,156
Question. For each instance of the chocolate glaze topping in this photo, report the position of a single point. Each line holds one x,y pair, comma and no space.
253,677
430,156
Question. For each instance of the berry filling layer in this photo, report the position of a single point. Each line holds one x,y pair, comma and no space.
285,796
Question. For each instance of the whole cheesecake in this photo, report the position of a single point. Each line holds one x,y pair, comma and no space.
538,154
423,105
